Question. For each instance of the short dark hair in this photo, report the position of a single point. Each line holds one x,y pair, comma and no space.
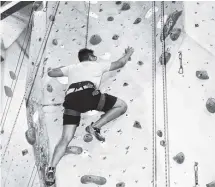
83,54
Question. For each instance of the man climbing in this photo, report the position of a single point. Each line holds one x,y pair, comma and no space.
83,95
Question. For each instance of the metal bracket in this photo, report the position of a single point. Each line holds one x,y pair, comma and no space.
181,69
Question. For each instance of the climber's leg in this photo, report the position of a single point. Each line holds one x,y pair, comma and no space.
113,108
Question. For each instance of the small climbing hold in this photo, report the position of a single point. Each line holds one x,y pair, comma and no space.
54,42
137,125
118,2
8,91
88,138
140,63
95,39
196,25
100,10
2,59
93,179
175,33
125,6
40,39
167,57
125,84
212,184
210,105
138,20
120,184
74,150
49,88
115,37
110,18
30,135
179,158
2,131
24,152
163,143
159,133
12,75
202,75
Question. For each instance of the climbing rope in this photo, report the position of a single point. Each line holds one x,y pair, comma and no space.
25,97
154,139
7,105
165,102
87,28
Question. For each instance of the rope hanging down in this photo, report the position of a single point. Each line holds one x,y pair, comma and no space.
165,102
87,28
154,128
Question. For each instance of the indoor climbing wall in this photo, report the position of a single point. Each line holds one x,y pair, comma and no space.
125,159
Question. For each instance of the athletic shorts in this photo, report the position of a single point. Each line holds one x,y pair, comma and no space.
83,101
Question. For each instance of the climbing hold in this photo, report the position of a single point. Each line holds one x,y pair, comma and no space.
210,105
74,150
159,133
138,20
202,75
179,158
140,63
30,135
2,59
167,56
125,84
12,75
175,33
110,18
95,39
137,125
125,6
196,25
49,88
93,179
162,143
120,184
88,138
118,2
212,184
8,91
170,23
24,152
115,37
54,42
2,131
100,10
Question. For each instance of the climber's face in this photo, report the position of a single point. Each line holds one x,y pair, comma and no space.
92,57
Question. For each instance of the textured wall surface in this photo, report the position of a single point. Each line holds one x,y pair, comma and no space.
126,156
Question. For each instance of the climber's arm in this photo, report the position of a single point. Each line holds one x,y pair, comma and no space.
56,72
122,61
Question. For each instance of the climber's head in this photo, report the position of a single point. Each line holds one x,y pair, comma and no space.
86,55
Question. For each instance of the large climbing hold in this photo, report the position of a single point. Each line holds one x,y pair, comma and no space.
8,91
170,23
73,150
12,75
86,179
95,39
202,75
179,158
30,135
175,33
210,105
125,6
167,57
212,184
120,184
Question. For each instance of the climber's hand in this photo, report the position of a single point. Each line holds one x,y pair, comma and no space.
129,51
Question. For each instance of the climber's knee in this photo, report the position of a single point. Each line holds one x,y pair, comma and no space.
122,105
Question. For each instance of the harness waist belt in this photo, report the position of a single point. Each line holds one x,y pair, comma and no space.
71,112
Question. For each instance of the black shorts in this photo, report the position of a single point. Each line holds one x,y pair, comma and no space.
83,101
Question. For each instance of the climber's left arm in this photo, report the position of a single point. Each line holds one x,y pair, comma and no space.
57,72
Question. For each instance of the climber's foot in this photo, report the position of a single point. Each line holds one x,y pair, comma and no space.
95,132
50,176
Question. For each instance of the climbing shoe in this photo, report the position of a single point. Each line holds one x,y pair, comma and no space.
50,176
95,132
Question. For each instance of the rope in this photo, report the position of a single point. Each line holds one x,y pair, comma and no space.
154,139
24,97
165,102
87,28
6,109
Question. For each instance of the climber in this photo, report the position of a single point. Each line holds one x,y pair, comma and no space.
83,95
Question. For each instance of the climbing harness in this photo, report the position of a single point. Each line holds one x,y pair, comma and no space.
87,28
14,82
181,70
165,101
154,138
196,174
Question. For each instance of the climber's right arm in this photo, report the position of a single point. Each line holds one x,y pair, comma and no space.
56,72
